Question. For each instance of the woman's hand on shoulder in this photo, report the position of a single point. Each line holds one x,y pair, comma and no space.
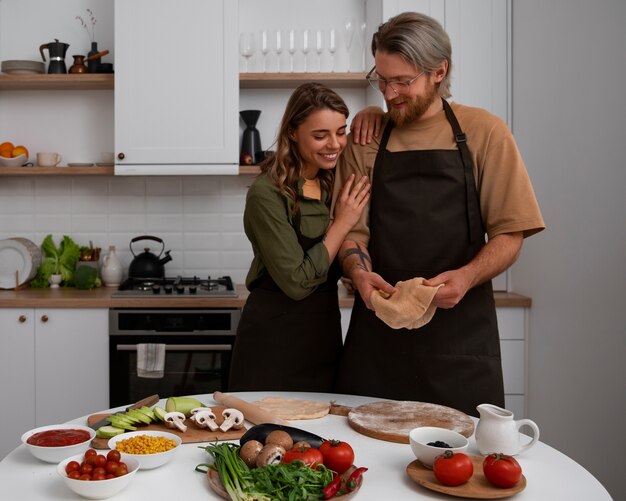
366,124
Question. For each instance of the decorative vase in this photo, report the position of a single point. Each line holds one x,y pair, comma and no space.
54,281
93,66
111,270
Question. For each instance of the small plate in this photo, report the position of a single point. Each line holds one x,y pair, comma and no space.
477,487
80,164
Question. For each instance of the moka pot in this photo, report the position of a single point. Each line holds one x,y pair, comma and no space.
56,52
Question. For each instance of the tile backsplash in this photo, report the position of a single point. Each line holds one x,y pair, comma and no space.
199,218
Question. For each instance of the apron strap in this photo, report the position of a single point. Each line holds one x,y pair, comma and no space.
471,194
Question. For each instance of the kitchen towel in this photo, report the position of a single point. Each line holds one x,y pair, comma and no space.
410,307
150,360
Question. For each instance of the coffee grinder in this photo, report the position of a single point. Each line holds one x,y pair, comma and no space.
251,141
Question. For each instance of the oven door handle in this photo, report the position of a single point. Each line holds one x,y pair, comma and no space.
181,347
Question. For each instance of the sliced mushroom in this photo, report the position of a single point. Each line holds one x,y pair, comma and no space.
175,420
270,454
232,419
205,419
250,451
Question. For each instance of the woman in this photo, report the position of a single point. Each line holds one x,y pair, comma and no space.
289,335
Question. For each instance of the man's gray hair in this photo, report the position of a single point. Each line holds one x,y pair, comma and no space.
419,40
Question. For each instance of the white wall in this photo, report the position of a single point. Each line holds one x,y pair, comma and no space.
569,118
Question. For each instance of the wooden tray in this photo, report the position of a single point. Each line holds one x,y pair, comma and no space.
392,420
193,434
218,487
477,487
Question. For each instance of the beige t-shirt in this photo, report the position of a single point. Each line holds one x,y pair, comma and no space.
507,199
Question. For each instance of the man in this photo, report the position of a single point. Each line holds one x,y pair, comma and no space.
442,176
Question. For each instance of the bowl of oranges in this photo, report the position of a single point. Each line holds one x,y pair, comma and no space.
13,156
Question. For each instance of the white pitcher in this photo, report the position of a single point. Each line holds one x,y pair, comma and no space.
111,270
497,431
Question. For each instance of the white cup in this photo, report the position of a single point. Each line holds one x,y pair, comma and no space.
48,159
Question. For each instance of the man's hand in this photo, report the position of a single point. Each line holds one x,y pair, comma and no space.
456,283
366,124
367,282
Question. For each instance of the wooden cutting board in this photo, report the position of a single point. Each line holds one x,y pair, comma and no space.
192,435
392,420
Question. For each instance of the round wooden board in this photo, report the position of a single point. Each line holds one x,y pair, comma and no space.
218,487
477,487
392,420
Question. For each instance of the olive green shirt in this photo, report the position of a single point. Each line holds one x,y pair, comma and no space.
268,223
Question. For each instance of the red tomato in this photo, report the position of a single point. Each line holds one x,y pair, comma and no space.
100,461
72,466
111,466
308,455
75,474
98,476
453,469
502,470
90,452
85,476
86,468
338,456
114,455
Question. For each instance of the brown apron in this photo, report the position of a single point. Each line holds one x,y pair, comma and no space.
284,344
425,219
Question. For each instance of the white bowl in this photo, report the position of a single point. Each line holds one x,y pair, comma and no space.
98,489
420,438
17,161
149,461
56,454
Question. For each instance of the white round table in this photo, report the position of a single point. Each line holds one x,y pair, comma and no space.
550,474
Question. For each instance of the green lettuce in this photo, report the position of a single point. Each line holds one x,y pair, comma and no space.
57,260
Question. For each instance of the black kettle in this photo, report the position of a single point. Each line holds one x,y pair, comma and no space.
147,264
56,51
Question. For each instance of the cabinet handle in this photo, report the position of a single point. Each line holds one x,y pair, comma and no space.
121,156
22,319
44,318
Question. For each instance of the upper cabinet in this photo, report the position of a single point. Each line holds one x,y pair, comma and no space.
176,87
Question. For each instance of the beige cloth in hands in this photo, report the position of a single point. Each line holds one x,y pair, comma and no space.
409,308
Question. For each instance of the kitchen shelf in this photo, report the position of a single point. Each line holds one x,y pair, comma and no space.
57,171
93,81
291,80
105,81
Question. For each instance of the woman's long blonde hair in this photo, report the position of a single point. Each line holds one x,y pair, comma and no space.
285,168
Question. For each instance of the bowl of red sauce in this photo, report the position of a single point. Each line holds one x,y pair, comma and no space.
55,442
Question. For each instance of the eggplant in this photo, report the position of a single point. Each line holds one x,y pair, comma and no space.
261,431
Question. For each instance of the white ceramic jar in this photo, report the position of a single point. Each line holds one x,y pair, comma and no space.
111,270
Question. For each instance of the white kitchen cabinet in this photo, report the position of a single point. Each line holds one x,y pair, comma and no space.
71,363
176,87
17,376
54,366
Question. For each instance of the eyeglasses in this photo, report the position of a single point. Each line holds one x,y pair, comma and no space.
398,86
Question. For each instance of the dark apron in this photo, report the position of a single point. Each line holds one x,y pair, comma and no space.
425,219
284,344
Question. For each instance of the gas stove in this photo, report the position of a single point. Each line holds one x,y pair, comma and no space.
178,286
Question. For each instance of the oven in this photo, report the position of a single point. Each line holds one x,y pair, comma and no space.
197,343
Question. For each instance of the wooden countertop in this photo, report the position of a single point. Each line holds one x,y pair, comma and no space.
101,298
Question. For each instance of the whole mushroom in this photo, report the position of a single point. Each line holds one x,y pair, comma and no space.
280,437
250,451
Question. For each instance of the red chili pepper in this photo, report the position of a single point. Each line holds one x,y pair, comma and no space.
354,480
331,489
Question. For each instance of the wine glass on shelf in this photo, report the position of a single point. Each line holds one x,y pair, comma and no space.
362,34
246,46
332,47
291,47
306,46
348,27
319,47
279,48
265,47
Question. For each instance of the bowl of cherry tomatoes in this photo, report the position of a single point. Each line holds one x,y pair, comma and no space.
98,476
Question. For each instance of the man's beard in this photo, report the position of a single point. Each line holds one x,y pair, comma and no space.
416,106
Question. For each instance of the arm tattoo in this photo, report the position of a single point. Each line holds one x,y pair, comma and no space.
364,258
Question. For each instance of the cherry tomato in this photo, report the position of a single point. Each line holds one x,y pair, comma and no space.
98,470
308,455
86,468
453,469
85,476
98,476
75,474
502,470
338,456
90,452
114,455
111,466
100,460
72,466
